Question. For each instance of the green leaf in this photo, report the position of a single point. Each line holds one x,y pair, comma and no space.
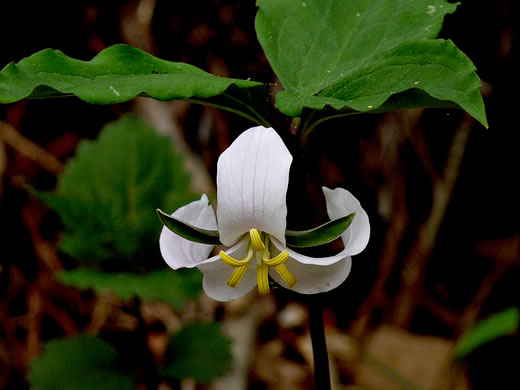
412,66
189,232
198,351
167,286
491,328
320,235
353,56
79,363
120,73
107,195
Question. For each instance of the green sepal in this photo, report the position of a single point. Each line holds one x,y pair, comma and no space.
189,232
319,235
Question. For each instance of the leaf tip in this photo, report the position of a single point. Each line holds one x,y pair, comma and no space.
162,216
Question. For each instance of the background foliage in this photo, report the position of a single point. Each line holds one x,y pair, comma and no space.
106,194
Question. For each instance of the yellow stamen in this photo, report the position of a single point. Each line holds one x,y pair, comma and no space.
278,263
280,259
285,274
262,279
234,262
256,240
263,262
237,275
241,267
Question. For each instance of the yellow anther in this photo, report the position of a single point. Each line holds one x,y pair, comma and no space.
285,274
278,263
237,275
280,259
241,267
262,278
263,262
234,262
256,240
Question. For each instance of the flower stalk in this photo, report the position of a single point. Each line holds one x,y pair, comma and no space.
319,345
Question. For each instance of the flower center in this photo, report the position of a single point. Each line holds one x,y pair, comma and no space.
260,251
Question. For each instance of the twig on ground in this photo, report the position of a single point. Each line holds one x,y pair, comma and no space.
29,149
417,259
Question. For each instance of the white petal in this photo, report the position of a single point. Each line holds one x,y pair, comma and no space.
179,252
216,274
314,279
252,179
341,203
320,261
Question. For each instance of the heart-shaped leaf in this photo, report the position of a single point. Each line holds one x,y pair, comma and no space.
353,56
108,191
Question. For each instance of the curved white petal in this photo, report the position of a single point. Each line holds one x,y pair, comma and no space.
341,203
320,261
314,279
216,274
179,252
252,180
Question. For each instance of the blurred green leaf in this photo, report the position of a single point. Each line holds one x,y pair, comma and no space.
353,56
109,191
488,329
120,73
172,287
198,351
79,363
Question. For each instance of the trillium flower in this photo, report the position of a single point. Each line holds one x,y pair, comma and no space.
252,180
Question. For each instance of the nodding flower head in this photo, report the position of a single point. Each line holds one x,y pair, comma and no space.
252,180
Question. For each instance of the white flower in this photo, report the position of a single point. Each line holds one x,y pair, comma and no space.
252,180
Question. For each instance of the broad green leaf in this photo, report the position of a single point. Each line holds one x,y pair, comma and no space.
352,56
198,351
188,231
310,44
491,328
109,191
320,235
120,73
401,73
167,286
79,363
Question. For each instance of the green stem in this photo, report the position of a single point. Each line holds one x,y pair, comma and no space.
309,125
264,122
256,117
319,346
